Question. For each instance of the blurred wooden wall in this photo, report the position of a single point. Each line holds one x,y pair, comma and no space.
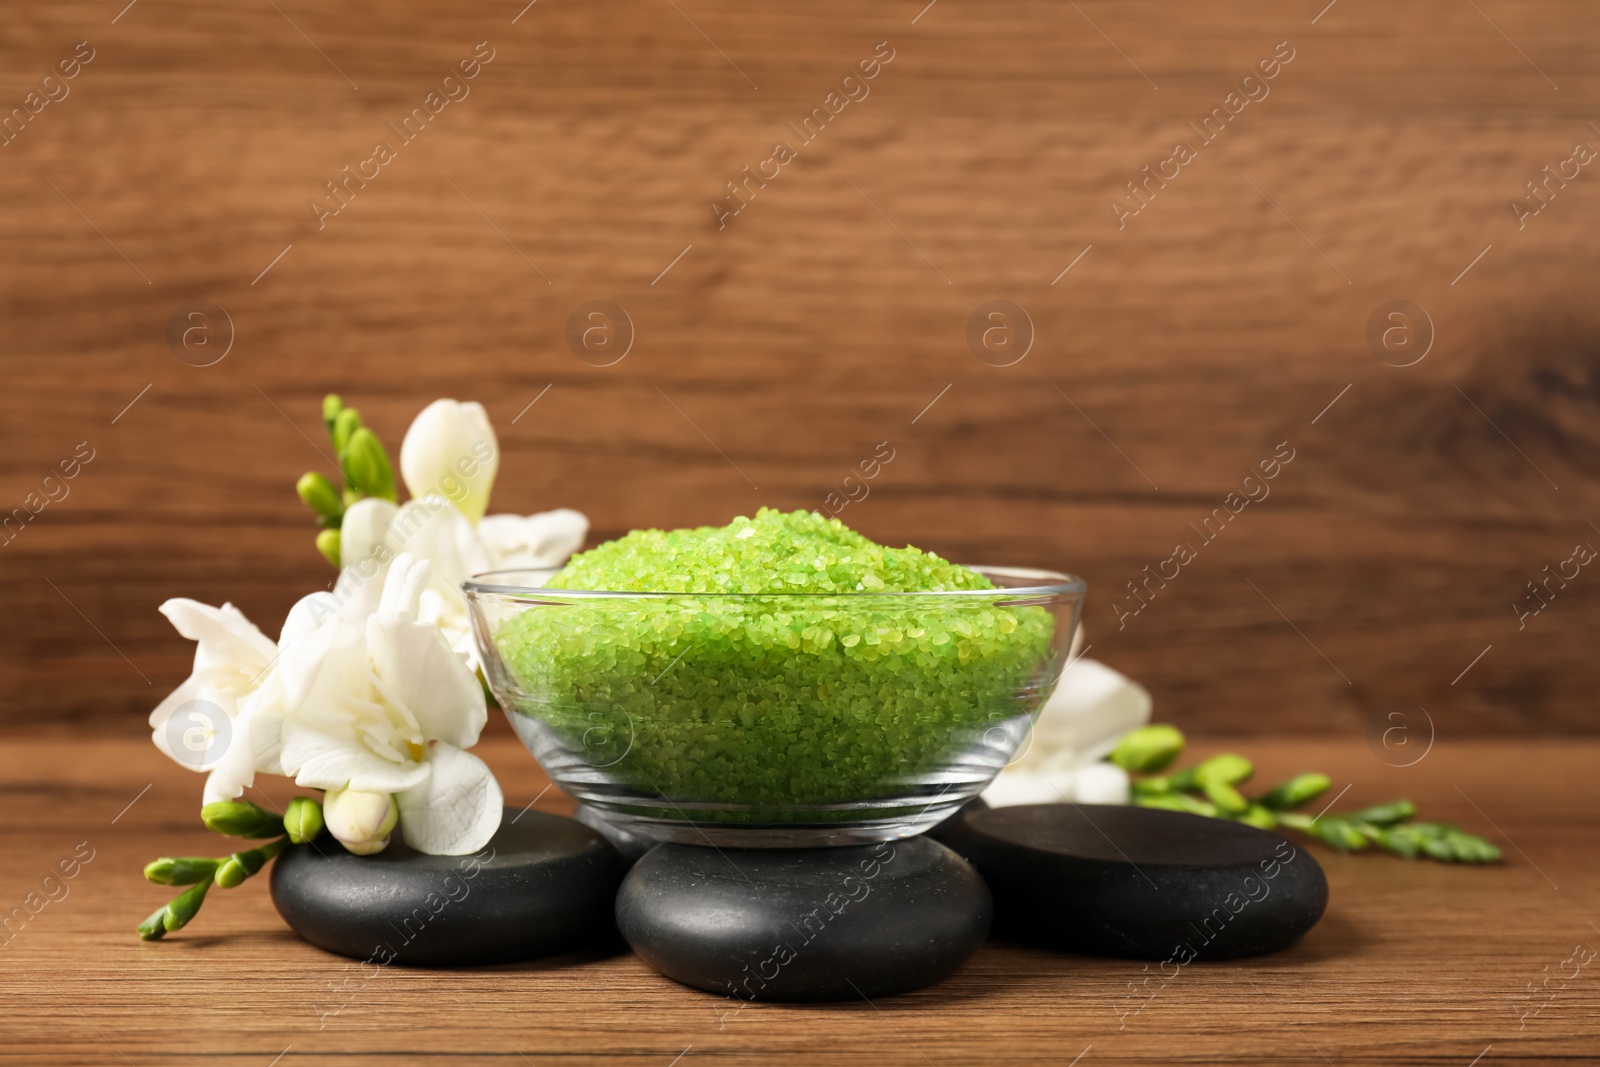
1177,353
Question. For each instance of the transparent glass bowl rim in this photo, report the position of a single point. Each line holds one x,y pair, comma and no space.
1046,584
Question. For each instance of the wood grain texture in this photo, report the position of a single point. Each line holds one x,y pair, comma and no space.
1414,963
1217,323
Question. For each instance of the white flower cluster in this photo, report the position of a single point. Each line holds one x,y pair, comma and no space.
371,691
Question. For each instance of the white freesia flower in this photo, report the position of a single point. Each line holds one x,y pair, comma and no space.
542,540
376,531
1091,710
376,701
202,724
451,449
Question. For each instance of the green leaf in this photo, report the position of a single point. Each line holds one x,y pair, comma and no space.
1148,749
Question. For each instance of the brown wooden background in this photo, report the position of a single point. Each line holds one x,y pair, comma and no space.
1196,339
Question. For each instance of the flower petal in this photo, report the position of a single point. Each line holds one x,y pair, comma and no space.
542,540
457,810
417,666
1101,783
433,530
402,589
224,635
451,450
1014,787
322,760
261,716
364,530
236,770
1092,708
161,732
1093,783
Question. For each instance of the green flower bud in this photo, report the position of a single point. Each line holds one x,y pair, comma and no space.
303,820
1297,791
366,465
328,543
1340,834
1225,797
321,497
1387,814
1398,842
331,406
1258,816
153,928
1186,780
185,906
230,873
1439,847
1226,768
1148,749
345,424
1216,778
240,818
1150,787
182,870
175,914
1473,849
1177,802
241,865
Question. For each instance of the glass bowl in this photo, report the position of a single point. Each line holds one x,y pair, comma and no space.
765,720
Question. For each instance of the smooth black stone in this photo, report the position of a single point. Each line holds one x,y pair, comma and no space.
805,924
1140,883
547,887
632,846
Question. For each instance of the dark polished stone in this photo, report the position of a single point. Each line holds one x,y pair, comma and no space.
1140,883
805,924
544,885
631,845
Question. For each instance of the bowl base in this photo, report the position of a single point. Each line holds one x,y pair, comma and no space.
859,830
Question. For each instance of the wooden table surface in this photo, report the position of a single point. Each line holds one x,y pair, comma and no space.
1414,963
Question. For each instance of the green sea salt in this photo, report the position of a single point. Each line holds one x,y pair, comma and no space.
781,674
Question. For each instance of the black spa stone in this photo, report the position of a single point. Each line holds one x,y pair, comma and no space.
543,885
805,924
1140,883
